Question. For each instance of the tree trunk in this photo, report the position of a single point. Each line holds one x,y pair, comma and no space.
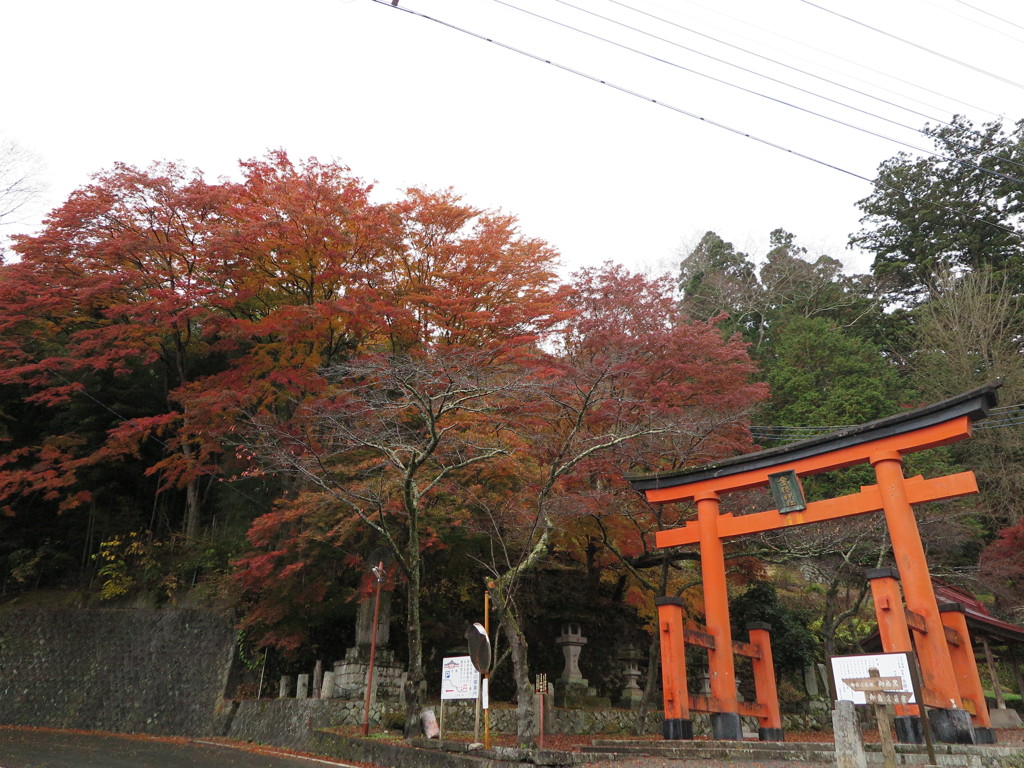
414,682
828,622
525,731
192,505
192,510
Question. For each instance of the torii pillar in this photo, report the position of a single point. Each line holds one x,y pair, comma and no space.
882,444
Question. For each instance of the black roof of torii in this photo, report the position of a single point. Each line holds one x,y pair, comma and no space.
974,404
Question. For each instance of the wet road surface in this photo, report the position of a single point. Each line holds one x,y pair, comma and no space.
36,748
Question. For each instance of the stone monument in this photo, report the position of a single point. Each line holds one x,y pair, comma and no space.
350,674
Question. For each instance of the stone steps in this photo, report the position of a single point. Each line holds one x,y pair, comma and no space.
951,755
431,753
718,750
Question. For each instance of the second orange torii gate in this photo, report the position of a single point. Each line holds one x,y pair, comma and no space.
882,444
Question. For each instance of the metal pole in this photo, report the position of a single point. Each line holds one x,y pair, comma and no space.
263,669
487,631
378,571
476,708
544,694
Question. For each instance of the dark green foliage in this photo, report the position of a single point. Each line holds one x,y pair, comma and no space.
558,595
717,279
958,209
820,375
793,646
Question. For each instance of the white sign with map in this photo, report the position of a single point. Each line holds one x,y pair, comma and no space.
459,678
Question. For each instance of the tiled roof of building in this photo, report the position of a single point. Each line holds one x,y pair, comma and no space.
979,619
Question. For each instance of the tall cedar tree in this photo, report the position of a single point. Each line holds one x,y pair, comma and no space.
957,209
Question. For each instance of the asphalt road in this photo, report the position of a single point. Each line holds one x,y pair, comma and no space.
31,748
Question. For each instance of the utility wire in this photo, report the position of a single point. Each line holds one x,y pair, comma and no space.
769,59
720,81
997,18
672,107
622,89
972,152
753,92
915,45
978,153
974,21
1001,416
754,72
855,63
1008,423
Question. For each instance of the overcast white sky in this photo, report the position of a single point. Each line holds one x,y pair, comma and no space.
597,172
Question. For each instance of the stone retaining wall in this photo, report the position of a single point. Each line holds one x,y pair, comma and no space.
289,722
129,671
292,722
166,671
459,717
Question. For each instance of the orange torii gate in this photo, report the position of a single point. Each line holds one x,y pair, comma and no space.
959,713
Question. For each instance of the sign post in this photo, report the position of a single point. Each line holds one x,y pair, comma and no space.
480,654
897,686
541,689
926,726
852,676
883,715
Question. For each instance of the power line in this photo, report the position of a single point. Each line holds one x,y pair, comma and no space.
916,45
674,108
1001,416
997,18
759,56
869,132
974,153
720,81
968,18
856,63
622,89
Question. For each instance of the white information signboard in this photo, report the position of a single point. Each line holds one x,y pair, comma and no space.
459,678
857,668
